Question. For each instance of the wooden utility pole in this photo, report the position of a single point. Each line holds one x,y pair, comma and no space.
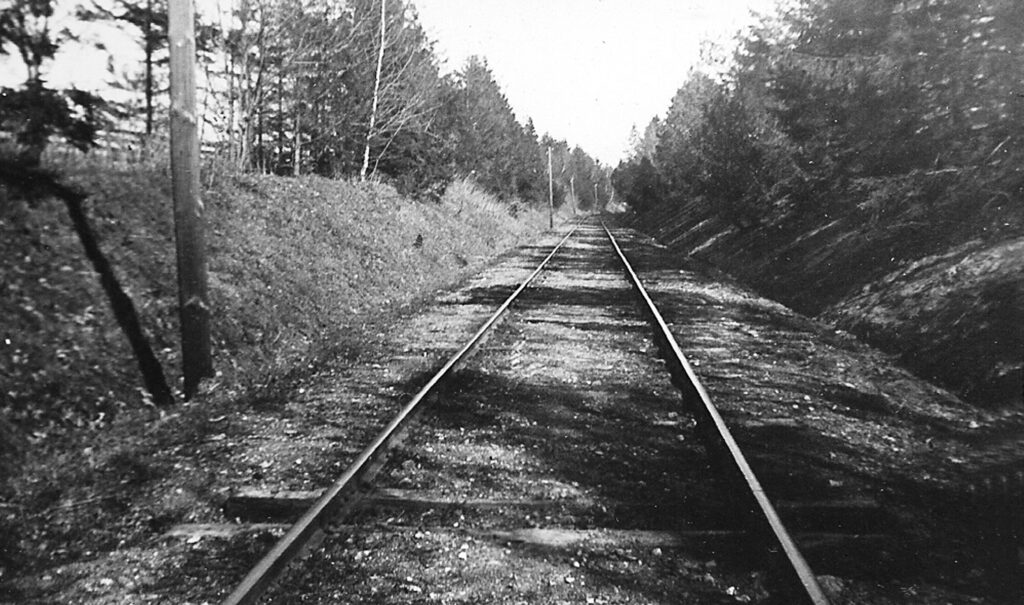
193,297
551,194
595,197
572,190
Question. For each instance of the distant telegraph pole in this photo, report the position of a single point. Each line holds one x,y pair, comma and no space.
193,297
572,193
596,204
551,193
572,189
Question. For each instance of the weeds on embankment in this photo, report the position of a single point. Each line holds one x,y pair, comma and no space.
293,264
302,271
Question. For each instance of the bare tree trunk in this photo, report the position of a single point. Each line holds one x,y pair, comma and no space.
551,193
262,157
297,146
376,92
230,71
256,97
193,298
148,33
243,162
249,94
280,117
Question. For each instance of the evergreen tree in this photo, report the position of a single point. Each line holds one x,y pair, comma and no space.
149,17
34,112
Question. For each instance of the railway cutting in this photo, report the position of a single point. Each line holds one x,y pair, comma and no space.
565,449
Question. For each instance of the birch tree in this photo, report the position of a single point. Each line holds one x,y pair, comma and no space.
376,89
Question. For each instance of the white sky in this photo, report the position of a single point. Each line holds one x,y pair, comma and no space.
584,70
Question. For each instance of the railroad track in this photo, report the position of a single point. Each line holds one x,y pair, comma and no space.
556,460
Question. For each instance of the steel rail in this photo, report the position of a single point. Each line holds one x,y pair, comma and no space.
712,420
310,527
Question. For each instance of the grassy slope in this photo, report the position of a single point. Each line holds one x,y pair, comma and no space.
963,332
301,270
294,263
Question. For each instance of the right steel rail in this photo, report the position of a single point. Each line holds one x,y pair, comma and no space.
310,528
712,423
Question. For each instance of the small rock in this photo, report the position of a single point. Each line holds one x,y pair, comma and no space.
656,552
832,586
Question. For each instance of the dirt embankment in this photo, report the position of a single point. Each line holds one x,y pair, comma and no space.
951,309
955,317
292,263
297,268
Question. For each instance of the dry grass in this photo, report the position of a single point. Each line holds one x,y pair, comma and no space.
302,271
295,263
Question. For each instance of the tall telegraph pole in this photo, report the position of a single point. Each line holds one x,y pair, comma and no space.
193,296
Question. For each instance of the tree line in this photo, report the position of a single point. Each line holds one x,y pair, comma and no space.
294,87
834,108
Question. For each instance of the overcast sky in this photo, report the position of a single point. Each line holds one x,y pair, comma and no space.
585,70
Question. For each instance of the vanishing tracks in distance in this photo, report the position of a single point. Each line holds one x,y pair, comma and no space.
567,452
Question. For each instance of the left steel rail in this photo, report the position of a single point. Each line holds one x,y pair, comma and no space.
338,498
